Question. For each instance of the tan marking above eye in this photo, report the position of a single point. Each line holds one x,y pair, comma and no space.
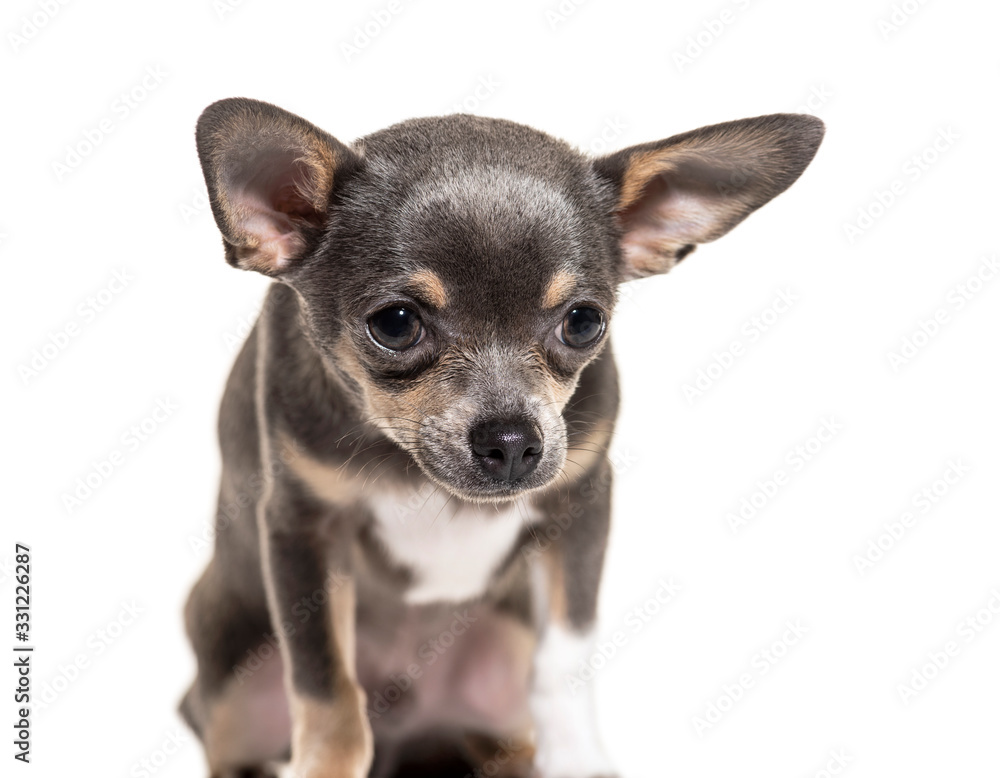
559,289
429,285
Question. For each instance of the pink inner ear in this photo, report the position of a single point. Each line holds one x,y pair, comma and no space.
277,239
663,220
271,211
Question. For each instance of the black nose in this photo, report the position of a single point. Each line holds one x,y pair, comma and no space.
506,449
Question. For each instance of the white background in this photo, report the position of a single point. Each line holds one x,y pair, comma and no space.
601,75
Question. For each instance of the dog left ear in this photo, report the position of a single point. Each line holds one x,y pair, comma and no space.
695,187
269,175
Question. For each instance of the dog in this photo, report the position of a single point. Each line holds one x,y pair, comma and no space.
415,496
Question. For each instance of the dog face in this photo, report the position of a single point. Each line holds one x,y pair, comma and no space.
457,274
465,281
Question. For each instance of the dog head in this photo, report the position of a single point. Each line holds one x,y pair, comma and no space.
456,274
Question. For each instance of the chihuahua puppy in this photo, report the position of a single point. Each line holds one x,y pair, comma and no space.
415,494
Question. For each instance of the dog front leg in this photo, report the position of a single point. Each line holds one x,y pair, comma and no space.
567,576
311,596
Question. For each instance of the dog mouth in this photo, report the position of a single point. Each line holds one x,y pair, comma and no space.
496,460
488,458
469,486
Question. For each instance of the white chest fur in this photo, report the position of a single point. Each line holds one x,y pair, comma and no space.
451,547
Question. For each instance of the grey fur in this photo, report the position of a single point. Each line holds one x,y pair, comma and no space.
495,210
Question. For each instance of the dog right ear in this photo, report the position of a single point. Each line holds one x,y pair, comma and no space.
693,188
269,175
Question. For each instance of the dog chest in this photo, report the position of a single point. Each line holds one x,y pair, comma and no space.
452,548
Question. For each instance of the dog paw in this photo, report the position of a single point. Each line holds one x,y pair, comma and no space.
321,768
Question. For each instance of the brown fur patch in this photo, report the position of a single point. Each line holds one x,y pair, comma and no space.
234,732
333,484
648,246
332,739
584,450
400,415
642,168
429,286
559,289
246,124
265,238
558,389
342,619
379,407
739,150
503,757
556,580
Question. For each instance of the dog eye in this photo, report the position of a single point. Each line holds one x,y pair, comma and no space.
396,328
582,326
